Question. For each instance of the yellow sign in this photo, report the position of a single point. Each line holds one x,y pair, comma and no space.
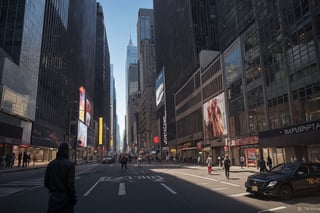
100,130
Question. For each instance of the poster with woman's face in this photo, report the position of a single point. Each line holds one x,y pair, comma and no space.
214,112
82,134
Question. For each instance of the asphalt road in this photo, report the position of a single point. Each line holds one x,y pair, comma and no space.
152,188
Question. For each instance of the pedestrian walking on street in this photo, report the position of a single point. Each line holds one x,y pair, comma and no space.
28,158
60,181
269,162
19,159
219,161
123,162
209,163
241,161
139,161
262,165
24,159
227,164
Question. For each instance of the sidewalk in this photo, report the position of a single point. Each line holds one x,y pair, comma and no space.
38,165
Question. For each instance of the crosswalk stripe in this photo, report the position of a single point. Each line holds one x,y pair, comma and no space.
239,195
217,189
122,189
273,209
231,184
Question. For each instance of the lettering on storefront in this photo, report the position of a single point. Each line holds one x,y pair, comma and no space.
302,128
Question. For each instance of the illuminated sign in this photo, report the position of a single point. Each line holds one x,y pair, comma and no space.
100,130
82,134
82,95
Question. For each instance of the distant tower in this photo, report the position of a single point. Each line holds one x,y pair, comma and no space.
131,93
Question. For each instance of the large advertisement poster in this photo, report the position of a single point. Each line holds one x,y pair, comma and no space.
88,112
160,88
82,134
82,102
215,122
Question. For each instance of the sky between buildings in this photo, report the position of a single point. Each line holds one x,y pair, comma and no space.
120,17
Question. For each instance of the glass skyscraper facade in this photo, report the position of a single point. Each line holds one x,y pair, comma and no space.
48,52
20,41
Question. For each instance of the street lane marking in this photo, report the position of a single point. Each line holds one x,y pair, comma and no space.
122,189
203,183
196,176
88,192
273,209
216,189
168,188
231,184
239,195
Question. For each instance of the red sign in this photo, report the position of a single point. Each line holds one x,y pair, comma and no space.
156,139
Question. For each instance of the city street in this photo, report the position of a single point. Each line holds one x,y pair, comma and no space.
155,187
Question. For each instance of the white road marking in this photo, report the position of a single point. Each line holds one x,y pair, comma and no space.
203,183
196,176
168,188
231,184
239,195
273,209
122,189
217,189
88,192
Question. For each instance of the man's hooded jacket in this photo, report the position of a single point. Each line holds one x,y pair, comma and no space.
60,181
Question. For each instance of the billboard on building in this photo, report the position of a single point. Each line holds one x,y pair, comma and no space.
214,114
88,111
82,102
82,134
160,89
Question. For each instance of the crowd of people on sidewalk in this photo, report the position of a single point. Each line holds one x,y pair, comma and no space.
24,159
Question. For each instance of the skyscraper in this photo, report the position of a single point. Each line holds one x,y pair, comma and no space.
147,71
102,87
20,42
132,95
183,28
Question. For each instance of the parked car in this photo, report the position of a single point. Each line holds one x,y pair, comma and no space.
286,180
108,159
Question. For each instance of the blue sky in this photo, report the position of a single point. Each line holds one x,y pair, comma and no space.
120,17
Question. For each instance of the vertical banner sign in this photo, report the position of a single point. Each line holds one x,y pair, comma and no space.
163,130
100,130
160,89
165,135
82,103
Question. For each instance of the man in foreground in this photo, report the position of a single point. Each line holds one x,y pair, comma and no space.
60,181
